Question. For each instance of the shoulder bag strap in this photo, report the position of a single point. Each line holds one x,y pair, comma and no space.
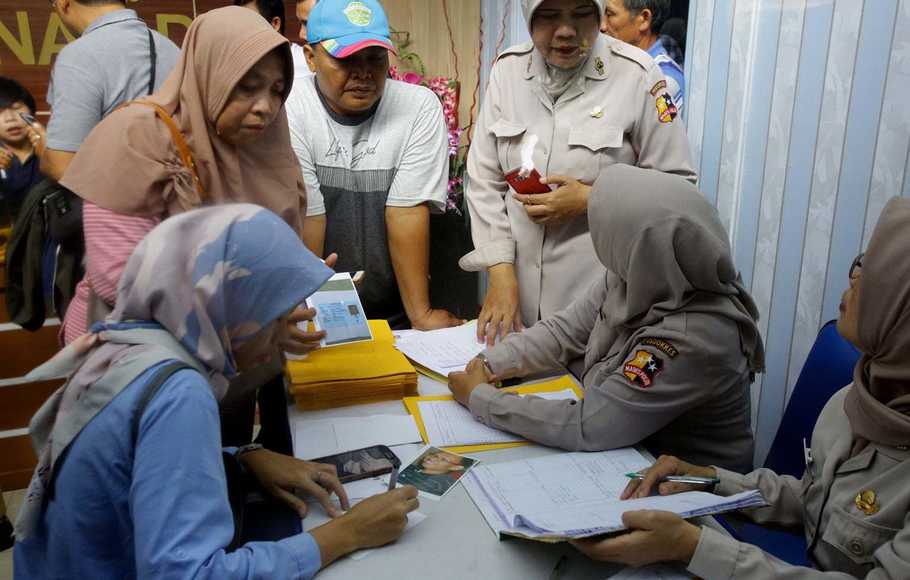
153,57
179,140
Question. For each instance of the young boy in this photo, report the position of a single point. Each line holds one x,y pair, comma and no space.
18,162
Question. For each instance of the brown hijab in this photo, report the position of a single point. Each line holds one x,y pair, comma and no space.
665,251
878,405
129,164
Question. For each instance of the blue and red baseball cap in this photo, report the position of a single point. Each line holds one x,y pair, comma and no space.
344,27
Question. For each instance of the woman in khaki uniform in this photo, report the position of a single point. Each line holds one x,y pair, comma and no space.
588,101
854,498
665,342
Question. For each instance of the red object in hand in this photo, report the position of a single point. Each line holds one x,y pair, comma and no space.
526,185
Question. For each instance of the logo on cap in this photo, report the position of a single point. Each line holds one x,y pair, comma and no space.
359,14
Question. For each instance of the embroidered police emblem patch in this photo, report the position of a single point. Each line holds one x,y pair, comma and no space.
661,85
642,368
664,346
666,108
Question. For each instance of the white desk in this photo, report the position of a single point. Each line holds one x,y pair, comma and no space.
455,541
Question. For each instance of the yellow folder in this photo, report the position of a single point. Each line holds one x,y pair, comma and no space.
562,383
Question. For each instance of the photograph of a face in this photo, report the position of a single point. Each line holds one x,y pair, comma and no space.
434,472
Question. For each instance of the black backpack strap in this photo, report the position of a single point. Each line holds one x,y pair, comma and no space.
161,376
153,57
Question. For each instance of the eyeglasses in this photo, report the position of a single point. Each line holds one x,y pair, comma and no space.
857,266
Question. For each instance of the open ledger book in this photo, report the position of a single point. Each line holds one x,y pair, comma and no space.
576,495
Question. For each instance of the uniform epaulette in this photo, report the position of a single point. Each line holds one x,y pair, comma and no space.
518,49
632,53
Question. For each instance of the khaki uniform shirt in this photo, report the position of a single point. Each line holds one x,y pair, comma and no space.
846,541
681,388
615,113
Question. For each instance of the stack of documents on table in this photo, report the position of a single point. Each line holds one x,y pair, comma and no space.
352,374
443,422
576,495
440,352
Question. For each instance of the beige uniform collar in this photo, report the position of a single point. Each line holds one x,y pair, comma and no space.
596,68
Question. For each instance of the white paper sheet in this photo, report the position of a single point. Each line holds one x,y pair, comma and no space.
414,519
448,423
323,437
443,351
576,494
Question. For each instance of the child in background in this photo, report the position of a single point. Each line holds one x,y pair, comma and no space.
18,162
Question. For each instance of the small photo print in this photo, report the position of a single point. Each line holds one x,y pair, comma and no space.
435,471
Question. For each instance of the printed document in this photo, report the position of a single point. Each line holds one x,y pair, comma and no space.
574,495
449,424
442,351
324,437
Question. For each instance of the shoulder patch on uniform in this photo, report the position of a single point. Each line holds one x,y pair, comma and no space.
632,53
518,49
666,108
665,346
642,368
661,85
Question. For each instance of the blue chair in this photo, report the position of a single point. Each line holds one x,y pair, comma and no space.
828,368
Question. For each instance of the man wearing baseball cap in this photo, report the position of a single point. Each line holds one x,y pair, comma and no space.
374,157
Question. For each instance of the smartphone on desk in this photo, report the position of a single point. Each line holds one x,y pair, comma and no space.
526,185
362,463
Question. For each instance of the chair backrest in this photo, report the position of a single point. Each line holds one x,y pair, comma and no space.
828,368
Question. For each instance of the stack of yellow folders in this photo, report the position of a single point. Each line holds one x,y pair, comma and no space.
353,374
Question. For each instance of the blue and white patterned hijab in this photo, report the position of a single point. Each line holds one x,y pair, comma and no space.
210,278
215,277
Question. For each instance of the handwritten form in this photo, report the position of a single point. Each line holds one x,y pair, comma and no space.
577,494
449,424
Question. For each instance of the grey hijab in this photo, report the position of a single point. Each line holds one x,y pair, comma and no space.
557,80
665,251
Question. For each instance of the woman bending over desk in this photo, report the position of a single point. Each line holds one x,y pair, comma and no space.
130,481
854,498
665,343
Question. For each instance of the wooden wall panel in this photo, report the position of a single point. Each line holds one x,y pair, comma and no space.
17,462
31,35
23,350
18,403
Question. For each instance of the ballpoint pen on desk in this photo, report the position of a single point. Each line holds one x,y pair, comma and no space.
691,479
393,479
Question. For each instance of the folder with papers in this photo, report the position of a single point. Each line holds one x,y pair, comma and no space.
436,353
447,424
576,495
352,374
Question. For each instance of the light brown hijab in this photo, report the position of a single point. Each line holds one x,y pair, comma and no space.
129,164
878,405
665,251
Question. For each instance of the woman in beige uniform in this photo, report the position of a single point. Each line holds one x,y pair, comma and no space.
587,101
854,498
667,335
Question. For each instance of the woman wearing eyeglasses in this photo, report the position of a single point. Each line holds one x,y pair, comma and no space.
854,499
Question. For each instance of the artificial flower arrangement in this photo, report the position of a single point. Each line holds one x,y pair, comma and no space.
447,90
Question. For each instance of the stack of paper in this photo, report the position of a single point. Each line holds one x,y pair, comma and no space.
440,352
352,374
576,495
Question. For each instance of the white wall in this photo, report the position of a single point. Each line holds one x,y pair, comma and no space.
799,120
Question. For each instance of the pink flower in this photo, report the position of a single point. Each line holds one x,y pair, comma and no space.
412,78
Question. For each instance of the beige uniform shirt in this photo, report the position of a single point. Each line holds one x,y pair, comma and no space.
681,388
609,116
848,541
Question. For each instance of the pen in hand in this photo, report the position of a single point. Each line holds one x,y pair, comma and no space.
393,479
690,479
